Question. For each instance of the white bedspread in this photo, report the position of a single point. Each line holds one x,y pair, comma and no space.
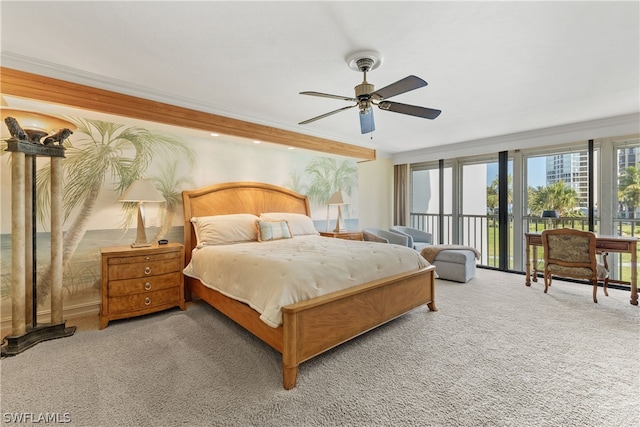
271,275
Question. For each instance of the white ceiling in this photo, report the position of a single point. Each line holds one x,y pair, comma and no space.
493,68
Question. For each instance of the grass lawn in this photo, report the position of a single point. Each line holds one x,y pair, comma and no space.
622,265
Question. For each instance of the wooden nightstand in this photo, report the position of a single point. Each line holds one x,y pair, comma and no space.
347,235
137,281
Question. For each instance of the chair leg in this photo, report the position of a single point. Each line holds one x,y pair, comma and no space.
606,280
547,281
595,290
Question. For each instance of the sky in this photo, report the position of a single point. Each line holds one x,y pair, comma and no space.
536,167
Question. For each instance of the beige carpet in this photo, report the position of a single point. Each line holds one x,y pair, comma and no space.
495,354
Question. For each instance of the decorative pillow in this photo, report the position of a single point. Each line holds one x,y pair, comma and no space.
225,229
272,230
299,224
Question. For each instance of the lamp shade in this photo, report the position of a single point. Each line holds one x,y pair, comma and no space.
339,198
142,190
550,214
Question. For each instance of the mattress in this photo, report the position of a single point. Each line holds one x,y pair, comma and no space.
270,275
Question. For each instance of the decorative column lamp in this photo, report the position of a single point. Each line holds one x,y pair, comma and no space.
34,135
338,199
550,215
141,191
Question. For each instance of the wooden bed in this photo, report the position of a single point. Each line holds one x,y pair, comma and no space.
316,325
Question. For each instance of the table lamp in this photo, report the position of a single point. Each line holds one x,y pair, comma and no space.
140,191
550,215
338,198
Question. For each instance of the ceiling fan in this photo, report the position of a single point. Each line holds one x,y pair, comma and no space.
366,96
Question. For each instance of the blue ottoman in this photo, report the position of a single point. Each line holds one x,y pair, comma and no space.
457,265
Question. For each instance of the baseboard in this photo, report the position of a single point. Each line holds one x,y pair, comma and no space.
68,313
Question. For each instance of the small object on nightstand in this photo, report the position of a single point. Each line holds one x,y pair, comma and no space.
163,241
137,281
346,235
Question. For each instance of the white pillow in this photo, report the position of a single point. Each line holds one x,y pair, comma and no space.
299,224
225,229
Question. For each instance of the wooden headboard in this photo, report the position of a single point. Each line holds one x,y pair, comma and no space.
237,197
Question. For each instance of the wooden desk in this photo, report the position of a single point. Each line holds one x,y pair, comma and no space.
621,244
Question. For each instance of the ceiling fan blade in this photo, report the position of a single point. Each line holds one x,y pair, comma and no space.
330,113
401,86
327,95
367,125
412,110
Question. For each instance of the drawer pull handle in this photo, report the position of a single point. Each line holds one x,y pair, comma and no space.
147,301
147,270
148,258
147,286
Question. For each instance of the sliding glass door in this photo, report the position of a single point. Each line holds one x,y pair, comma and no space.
431,200
626,217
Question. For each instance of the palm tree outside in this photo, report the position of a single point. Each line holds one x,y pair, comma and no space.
557,196
629,192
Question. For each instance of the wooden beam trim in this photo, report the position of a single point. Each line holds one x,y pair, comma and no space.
33,86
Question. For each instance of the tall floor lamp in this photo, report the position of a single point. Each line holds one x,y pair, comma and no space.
141,191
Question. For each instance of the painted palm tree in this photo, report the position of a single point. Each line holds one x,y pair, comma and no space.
328,175
104,150
296,182
169,185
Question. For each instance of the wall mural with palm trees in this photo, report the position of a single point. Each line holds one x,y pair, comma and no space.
103,158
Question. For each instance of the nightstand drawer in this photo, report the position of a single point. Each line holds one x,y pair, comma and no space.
143,269
143,258
131,303
143,284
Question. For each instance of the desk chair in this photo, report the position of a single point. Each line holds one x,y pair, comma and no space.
572,253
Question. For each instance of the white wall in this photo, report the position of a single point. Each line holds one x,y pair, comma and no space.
375,188
584,131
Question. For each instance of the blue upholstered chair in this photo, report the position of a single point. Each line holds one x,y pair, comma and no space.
384,236
419,238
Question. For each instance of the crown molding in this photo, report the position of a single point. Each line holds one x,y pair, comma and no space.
73,75
628,124
32,78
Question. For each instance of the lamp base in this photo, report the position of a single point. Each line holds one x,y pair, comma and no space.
141,235
17,344
140,245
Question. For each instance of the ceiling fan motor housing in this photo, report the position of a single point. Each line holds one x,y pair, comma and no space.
364,90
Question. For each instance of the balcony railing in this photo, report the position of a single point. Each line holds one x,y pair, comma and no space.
482,233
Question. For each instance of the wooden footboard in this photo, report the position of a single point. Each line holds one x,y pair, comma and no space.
314,326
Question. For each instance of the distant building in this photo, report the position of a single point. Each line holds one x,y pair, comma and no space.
573,169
